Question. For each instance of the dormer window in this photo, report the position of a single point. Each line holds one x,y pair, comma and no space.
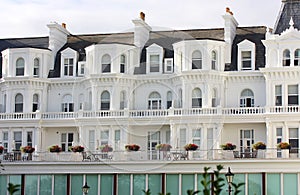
36,67
168,65
213,60
81,67
286,61
68,66
154,59
297,57
246,60
197,60
106,62
122,63
20,66
154,63
246,55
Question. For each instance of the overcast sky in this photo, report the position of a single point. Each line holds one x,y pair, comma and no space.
23,18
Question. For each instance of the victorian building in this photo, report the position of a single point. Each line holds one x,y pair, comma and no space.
208,87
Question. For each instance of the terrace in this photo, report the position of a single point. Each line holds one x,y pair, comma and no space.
172,155
152,113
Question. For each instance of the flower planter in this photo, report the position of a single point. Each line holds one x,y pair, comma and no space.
261,153
285,153
228,154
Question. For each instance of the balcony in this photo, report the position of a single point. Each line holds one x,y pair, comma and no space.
167,156
247,111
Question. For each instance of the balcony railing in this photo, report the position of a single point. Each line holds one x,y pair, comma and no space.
153,113
168,156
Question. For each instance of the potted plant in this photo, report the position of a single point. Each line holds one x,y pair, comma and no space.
106,148
77,148
132,147
283,145
285,149
1,149
27,149
55,148
163,147
191,147
259,146
228,146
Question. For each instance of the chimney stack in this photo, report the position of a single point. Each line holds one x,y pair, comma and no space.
141,31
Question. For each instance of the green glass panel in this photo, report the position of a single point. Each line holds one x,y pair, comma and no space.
16,179
237,179
107,181
154,183
60,184
76,184
200,186
46,184
92,181
139,183
290,182
3,184
31,182
273,183
172,184
187,183
254,184
124,184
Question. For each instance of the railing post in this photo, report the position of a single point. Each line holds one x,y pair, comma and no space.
219,110
126,112
38,114
171,111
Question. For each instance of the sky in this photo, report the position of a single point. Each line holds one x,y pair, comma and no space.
29,18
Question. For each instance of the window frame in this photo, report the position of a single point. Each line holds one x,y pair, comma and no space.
286,58
106,63
105,101
20,66
295,96
168,65
68,67
214,60
154,101
19,105
36,67
246,100
196,98
197,61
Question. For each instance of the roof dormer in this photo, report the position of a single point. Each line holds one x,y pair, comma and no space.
68,62
246,55
154,59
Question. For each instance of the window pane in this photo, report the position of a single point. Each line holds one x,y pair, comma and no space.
93,183
154,183
254,184
15,179
172,184
46,184
60,184
139,181
76,183
124,184
3,182
106,184
293,89
290,183
273,183
188,181
31,184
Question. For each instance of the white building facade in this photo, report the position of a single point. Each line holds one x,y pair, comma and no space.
207,87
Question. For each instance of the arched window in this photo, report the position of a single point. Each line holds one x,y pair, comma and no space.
213,60
169,99
35,102
105,62
19,103
20,66
286,61
297,57
154,101
36,67
247,98
196,98
122,100
214,98
197,60
67,104
105,100
122,63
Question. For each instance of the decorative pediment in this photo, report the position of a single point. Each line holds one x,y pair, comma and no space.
154,47
246,44
68,51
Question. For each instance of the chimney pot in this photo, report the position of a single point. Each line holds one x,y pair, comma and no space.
142,15
64,25
229,11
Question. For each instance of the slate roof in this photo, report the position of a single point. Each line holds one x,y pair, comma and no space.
163,38
255,35
289,9
34,42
